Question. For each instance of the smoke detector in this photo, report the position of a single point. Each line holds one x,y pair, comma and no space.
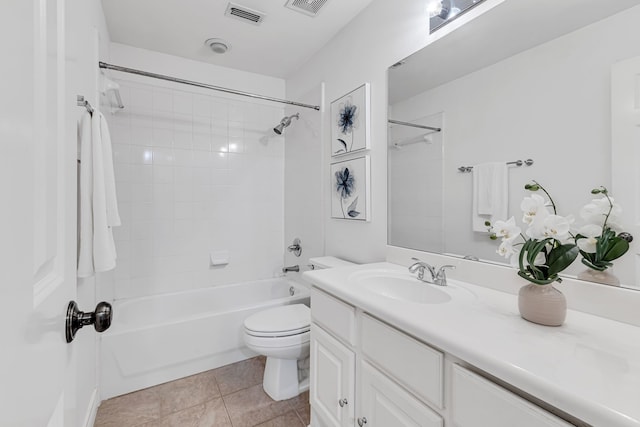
308,7
218,46
245,14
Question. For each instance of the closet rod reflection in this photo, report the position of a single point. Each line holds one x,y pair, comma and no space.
202,85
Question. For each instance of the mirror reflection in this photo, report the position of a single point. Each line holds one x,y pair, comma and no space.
543,96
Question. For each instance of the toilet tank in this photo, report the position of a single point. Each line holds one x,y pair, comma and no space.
328,262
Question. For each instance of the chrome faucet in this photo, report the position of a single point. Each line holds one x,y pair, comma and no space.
437,278
292,268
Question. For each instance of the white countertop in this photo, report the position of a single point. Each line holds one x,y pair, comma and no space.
589,367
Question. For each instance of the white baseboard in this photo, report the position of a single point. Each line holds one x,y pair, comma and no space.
92,410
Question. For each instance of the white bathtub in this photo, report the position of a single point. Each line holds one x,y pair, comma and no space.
161,338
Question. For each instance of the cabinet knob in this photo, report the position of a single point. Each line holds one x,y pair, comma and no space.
362,421
343,402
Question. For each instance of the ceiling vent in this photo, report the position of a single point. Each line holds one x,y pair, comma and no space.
308,7
245,14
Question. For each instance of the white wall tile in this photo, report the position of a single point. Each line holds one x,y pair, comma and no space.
141,136
141,119
162,174
163,156
174,172
141,99
141,155
202,141
183,103
202,105
162,137
162,100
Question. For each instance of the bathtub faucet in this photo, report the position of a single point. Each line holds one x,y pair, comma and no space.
292,268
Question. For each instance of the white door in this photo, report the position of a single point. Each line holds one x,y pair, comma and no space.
625,139
37,218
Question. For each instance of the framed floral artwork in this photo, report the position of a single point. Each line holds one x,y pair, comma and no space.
350,122
350,189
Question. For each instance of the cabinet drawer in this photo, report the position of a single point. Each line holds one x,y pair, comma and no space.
480,402
384,404
412,363
334,315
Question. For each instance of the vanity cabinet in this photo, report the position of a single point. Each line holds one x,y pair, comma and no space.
369,392
367,373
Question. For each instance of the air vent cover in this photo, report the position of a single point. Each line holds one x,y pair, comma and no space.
245,14
308,7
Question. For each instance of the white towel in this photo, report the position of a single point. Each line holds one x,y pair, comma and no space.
490,194
98,205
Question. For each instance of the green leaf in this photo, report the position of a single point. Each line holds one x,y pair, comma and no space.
616,248
561,258
598,267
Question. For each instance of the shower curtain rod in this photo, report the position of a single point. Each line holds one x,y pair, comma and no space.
413,125
104,65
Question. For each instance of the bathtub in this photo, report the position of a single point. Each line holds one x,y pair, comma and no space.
162,338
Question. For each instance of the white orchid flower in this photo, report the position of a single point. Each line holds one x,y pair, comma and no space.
507,229
556,227
506,248
596,211
590,232
534,208
552,226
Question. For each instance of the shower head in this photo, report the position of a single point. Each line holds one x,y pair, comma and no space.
285,122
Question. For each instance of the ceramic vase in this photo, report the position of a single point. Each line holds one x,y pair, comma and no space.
542,304
605,277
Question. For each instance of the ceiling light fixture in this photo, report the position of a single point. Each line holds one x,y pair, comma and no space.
434,8
218,46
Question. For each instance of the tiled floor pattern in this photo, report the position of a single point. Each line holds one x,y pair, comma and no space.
230,396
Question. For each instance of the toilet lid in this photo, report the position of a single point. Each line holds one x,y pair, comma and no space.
294,318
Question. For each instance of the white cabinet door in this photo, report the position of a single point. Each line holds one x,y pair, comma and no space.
332,387
385,404
478,402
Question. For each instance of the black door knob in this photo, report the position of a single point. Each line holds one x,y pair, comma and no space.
76,319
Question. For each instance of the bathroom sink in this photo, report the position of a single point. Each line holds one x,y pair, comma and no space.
399,286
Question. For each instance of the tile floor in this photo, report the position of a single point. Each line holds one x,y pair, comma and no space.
230,396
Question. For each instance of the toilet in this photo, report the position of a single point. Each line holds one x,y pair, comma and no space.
282,334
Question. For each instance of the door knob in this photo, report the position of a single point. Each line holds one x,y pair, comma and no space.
76,319
362,421
343,402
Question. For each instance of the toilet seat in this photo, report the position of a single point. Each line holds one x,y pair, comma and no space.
283,321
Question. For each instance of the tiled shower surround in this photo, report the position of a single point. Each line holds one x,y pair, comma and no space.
196,173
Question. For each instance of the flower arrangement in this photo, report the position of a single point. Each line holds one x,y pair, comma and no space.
597,240
546,247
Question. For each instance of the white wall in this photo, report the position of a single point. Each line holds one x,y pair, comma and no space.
382,34
196,172
87,42
550,103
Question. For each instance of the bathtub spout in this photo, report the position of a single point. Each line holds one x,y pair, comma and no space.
292,268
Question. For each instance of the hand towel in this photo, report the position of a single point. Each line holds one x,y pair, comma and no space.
490,194
98,204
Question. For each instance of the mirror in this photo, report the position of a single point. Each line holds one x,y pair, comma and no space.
523,80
